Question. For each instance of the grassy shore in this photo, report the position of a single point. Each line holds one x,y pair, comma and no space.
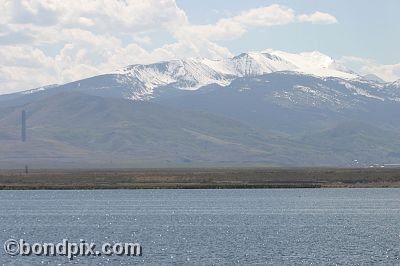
199,178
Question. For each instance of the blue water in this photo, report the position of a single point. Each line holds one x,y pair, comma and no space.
205,227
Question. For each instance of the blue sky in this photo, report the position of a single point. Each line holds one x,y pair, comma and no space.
52,41
368,29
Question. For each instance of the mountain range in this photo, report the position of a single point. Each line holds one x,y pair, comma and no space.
268,108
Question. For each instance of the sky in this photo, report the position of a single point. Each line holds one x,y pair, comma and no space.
46,42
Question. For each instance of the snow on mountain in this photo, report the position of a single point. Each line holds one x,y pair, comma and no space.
373,77
191,74
187,74
249,64
315,63
396,84
39,89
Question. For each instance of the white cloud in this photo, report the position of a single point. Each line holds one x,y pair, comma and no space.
318,18
52,41
104,15
385,72
181,49
143,39
23,56
235,26
11,78
354,59
364,66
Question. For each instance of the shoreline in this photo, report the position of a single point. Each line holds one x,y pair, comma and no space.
224,178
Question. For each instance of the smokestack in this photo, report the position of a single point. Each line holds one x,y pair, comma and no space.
23,128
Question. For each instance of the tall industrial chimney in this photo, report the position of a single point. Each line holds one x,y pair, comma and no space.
23,126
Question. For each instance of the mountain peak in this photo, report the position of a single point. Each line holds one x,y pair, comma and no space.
193,73
396,83
373,77
139,81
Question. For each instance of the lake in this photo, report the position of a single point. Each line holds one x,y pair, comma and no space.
206,227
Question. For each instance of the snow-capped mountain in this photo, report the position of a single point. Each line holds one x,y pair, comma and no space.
191,74
373,77
318,80
396,84
269,106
